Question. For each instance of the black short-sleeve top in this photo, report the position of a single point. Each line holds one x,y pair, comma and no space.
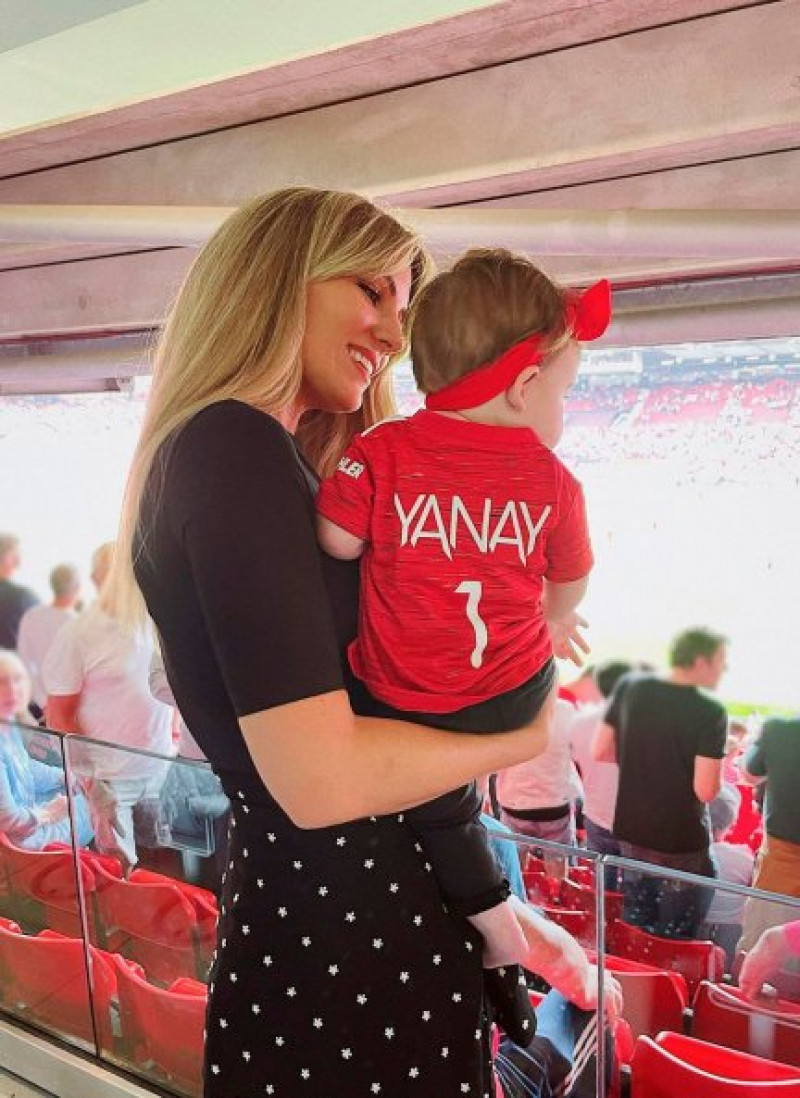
250,612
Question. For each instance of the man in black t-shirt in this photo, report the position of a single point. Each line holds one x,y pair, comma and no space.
14,599
668,738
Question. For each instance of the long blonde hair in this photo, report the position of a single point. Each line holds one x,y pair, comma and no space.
237,327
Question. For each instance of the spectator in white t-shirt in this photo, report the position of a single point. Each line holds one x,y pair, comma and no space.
600,779
537,797
735,865
40,625
96,674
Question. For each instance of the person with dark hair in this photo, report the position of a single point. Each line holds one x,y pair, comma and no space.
600,779
668,738
774,762
14,599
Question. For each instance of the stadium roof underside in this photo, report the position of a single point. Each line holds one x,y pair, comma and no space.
655,144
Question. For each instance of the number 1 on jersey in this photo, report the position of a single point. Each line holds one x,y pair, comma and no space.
473,589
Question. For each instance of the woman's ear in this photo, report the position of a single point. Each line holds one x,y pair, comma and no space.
516,392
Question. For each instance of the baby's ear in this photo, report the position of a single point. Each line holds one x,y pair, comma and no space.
515,393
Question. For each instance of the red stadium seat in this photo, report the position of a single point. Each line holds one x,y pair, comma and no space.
766,1028
674,1066
45,981
153,924
41,889
695,960
163,1028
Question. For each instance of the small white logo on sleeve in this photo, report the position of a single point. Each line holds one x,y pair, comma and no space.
351,468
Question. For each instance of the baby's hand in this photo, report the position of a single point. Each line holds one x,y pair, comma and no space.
568,640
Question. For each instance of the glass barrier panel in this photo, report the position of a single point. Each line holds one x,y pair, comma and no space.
562,976
44,963
160,838
674,945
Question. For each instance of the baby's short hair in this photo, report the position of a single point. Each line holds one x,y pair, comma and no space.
468,316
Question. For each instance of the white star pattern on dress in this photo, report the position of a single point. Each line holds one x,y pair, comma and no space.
437,958
377,943
400,818
456,996
375,1088
245,930
361,999
413,1073
246,810
341,840
267,960
215,1068
469,946
306,941
404,977
388,1033
305,1073
346,1053
260,882
245,852
501,972
269,1089
426,1015
525,1024
235,897
282,912
223,1023
445,1052
297,865
323,891
350,917
279,1041
233,977
417,920
246,1055
271,838
291,992
317,1023
369,863
256,1009
393,887
465,1088
333,969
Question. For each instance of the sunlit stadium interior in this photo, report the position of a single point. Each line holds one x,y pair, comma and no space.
657,147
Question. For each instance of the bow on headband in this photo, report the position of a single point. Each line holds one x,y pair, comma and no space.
587,315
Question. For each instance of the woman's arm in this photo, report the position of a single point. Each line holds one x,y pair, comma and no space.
325,766
554,955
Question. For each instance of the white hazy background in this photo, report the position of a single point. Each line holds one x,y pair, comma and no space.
677,543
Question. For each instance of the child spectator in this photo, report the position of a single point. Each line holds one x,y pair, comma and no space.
476,548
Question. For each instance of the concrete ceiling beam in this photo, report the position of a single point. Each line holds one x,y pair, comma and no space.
647,101
389,52
734,234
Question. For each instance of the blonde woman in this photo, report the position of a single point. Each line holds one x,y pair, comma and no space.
33,801
338,970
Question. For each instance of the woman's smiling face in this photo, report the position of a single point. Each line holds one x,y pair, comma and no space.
353,324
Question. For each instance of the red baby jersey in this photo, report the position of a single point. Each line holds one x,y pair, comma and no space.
462,521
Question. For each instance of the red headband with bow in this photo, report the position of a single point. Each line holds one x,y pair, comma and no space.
587,316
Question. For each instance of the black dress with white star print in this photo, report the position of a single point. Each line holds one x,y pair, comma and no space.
339,974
